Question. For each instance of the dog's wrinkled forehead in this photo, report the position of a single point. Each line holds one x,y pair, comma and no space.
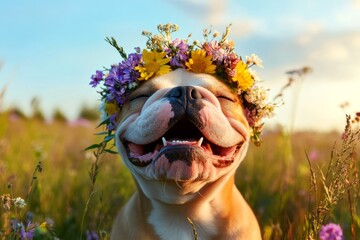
161,87
182,77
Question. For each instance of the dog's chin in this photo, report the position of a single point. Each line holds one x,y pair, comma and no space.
183,154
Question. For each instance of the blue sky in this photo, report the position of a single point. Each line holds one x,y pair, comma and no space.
49,49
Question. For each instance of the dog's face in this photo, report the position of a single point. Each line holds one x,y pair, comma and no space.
180,133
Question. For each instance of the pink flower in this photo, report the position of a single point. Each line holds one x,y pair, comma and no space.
213,49
331,231
314,155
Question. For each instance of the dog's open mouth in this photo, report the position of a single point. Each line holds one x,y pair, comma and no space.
184,135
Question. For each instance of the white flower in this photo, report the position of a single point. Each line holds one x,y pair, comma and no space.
228,44
19,202
132,85
254,74
257,95
254,59
103,114
267,112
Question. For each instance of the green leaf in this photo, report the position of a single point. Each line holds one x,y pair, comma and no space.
101,133
106,121
111,151
113,43
92,147
109,138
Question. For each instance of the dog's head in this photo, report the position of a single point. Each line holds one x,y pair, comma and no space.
182,112
180,132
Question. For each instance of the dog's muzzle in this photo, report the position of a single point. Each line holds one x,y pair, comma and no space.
187,138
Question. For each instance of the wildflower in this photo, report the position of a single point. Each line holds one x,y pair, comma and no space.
257,95
127,68
213,49
254,60
216,34
19,202
314,155
254,75
112,121
92,235
200,63
42,231
132,85
230,62
96,79
331,231
242,76
162,54
178,48
228,45
111,109
6,200
103,114
154,64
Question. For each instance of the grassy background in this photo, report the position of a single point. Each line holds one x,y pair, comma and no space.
274,178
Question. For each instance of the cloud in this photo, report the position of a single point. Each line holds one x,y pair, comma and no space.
207,11
335,58
217,14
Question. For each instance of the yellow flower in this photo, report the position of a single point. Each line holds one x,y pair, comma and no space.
111,108
154,64
200,63
242,76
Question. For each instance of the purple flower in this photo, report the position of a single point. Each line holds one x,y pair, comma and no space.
114,76
19,229
28,233
178,49
127,68
92,235
112,122
96,78
120,76
331,231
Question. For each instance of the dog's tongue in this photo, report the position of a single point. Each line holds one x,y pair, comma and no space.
138,152
144,155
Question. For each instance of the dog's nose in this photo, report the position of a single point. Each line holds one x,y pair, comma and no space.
186,101
185,92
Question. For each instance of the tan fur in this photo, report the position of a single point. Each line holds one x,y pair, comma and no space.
162,207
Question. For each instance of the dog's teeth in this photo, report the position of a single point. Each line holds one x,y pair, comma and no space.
164,141
200,141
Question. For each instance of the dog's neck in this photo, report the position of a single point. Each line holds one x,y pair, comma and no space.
204,210
217,201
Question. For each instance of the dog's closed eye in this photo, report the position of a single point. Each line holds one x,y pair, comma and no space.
139,97
226,98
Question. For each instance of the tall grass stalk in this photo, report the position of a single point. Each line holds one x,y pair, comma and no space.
99,153
339,180
295,81
93,173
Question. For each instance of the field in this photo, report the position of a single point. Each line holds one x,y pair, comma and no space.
44,164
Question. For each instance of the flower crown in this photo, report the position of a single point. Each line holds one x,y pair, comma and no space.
162,55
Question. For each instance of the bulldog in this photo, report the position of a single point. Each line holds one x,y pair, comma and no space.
183,135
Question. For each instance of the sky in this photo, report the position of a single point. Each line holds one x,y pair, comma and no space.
49,49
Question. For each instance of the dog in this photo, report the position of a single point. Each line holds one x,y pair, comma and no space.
182,135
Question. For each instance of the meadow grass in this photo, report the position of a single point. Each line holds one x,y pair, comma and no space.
44,163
